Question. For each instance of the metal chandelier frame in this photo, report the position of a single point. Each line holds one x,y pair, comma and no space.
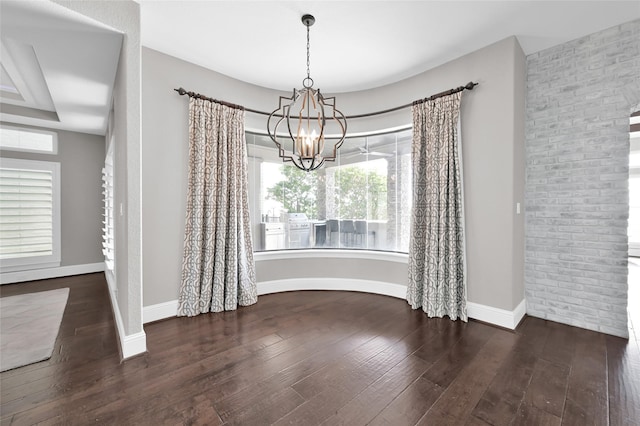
304,117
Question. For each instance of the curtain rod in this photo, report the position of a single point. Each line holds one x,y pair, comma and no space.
469,86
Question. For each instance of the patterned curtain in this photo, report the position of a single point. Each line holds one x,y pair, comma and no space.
218,272
436,250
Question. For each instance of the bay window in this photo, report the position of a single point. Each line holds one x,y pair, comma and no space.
360,201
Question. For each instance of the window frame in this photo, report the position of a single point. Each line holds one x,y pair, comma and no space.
259,154
46,261
54,142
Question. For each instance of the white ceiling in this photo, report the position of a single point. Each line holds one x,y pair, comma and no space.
357,45
58,67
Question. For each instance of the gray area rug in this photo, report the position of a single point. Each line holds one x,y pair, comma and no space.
29,325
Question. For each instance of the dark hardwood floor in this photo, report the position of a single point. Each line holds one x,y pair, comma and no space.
314,357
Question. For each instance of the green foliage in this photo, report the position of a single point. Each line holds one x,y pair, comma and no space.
360,194
297,192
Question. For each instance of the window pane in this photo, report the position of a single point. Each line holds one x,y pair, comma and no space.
29,214
360,201
26,140
26,213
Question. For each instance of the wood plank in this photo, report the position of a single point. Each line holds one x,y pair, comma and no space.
623,366
450,364
348,378
391,339
223,363
358,358
451,333
231,354
268,409
548,387
576,415
190,380
499,404
288,375
458,401
560,344
475,421
587,392
370,402
410,405
535,333
528,415
196,410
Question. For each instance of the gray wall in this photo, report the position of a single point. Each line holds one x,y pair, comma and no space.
322,267
492,153
519,175
81,157
579,98
165,158
124,16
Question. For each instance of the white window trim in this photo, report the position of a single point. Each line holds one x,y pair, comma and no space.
54,144
37,262
315,253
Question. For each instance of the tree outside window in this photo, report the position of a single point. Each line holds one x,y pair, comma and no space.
296,192
359,193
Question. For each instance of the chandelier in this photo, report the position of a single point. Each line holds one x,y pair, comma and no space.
303,122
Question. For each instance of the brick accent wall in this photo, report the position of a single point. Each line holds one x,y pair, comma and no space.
579,98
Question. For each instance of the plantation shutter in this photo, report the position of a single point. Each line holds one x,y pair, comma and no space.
28,211
108,229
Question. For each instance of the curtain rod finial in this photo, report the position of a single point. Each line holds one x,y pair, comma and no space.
181,91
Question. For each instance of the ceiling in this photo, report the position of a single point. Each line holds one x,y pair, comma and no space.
58,67
357,45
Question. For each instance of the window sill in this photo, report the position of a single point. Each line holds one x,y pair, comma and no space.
28,267
331,253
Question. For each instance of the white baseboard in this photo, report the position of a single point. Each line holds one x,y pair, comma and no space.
111,283
489,314
519,312
159,311
132,344
496,316
170,309
46,273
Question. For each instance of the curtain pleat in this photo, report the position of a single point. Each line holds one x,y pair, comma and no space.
218,271
437,281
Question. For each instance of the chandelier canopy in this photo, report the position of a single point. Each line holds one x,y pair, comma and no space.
303,122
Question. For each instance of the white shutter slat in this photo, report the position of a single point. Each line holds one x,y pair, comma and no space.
23,173
23,219
26,250
108,228
25,241
19,233
12,204
19,226
26,212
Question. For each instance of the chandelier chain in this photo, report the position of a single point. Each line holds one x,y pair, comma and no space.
308,55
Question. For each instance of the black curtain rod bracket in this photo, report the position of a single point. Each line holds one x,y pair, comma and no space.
469,86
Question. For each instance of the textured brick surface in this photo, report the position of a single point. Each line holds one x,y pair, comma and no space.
579,98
